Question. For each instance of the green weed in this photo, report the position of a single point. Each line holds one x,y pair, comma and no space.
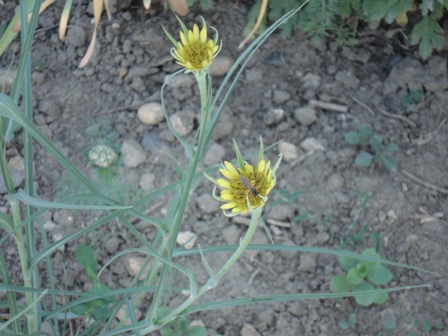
182,327
374,150
362,275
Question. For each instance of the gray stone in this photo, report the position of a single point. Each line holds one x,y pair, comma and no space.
231,234
76,36
220,65
348,79
207,204
112,245
311,81
281,96
215,153
140,71
273,116
63,217
17,174
224,127
307,263
288,150
254,75
183,122
147,181
151,140
311,144
282,212
132,153
305,115
336,181
249,330
181,80
151,113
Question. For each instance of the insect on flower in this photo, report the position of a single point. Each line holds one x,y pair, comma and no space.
244,180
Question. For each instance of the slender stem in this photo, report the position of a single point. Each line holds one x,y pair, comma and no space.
167,245
23,256
256,214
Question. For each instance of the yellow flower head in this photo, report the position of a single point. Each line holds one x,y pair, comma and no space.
195,52
245,188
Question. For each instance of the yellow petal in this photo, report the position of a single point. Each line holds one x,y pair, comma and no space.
183,38
203,36
231,168
228,174
228,206
226,196
196,32
261,166
223,183
190,36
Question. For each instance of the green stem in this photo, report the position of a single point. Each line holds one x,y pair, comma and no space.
256,214
23,256
167,245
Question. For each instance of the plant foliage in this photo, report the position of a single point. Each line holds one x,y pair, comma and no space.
374,151
328,18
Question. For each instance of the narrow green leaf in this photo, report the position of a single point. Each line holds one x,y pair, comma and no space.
36,202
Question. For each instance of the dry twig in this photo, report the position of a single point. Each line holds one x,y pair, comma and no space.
328,106
364,105
424,183
399,117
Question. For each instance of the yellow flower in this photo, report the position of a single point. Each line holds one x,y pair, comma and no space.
195,52
245,188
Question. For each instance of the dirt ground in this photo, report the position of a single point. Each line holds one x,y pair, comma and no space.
77,108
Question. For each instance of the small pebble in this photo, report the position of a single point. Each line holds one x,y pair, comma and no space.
305,115
76,36
151,140
207,204
307,263
311,144
132,153
311,81
249,330
147,181
112,244
134,264
288,150
186,239
281,96
181,80
273,116
151,113
276,58
215,153
183,122
220,65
